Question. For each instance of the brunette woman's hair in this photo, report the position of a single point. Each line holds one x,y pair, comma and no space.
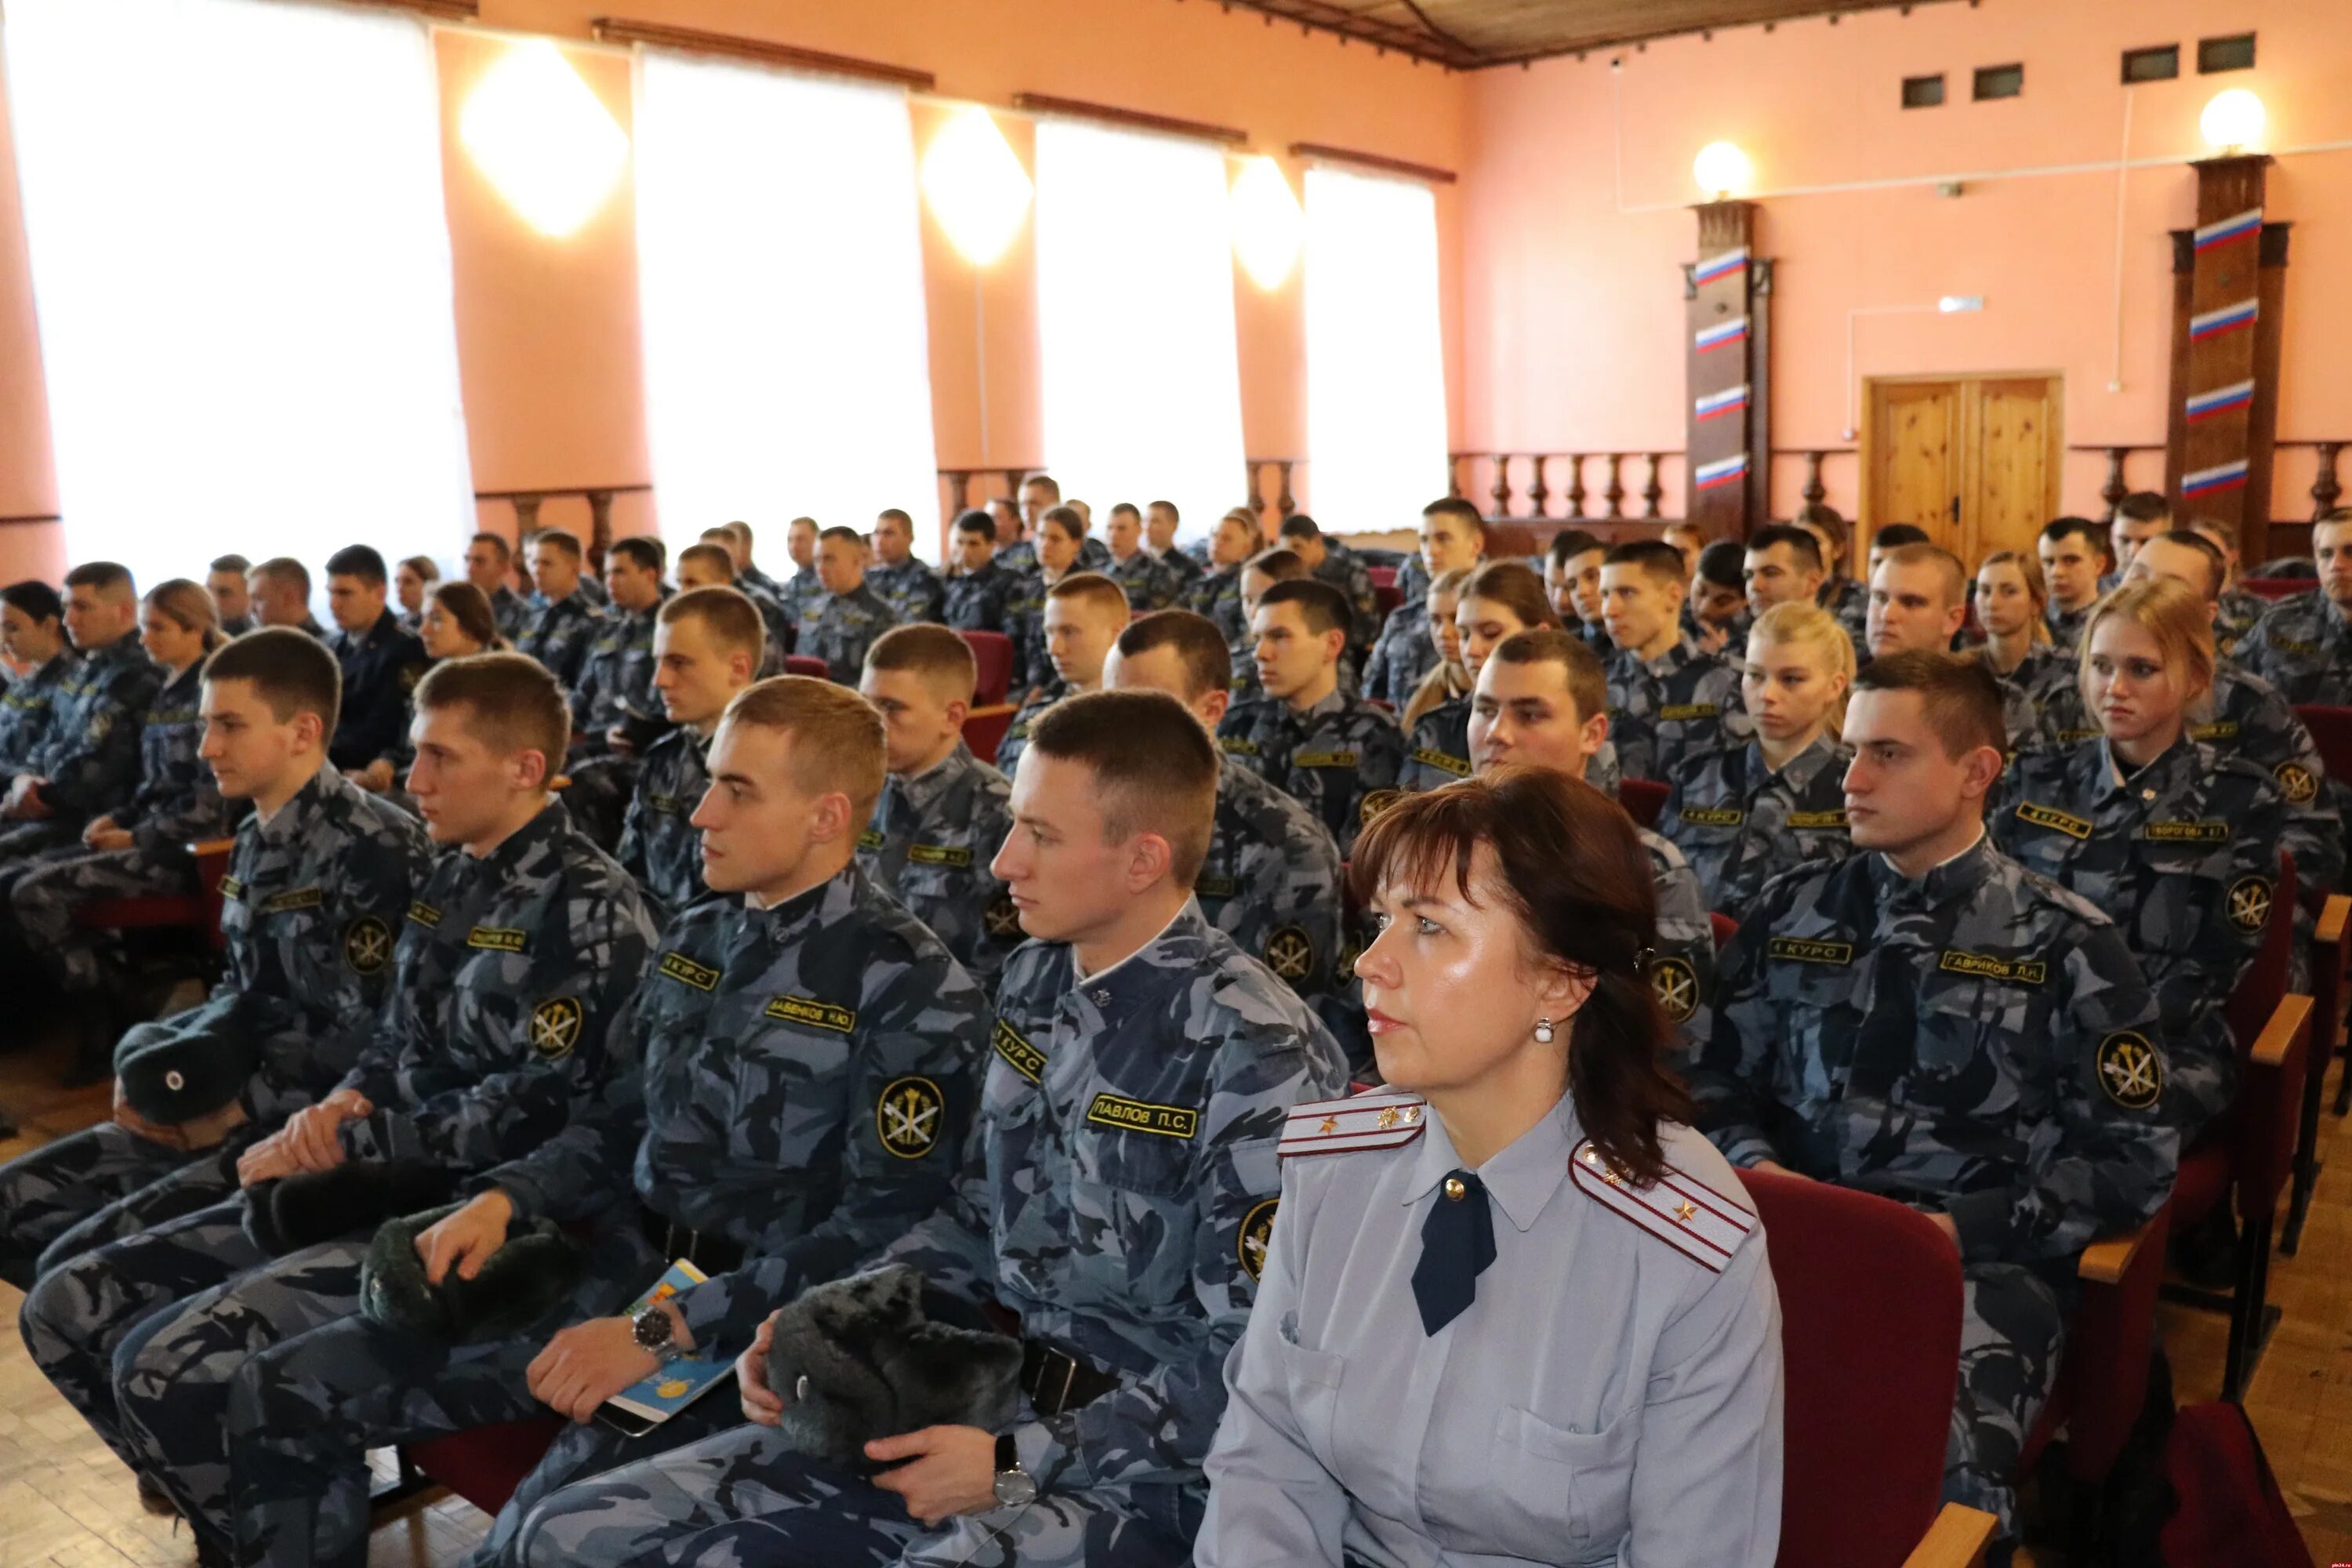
1516,588
470,608
190,606
1580,882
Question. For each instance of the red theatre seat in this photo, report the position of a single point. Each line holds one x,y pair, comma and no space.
1726,928
2278,587
484,1466
1381,576
196,912
808,665
992,652
1644,800
983,729
1388,595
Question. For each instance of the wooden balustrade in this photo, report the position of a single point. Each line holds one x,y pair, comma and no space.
526,504
1284,501
1504,492
2326,485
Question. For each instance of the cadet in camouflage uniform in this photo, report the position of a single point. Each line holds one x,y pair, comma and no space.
1083,615
507,970
808,1057
614,714
1323,748
1217,592
1117,1200
1930,1021
2074,552
88,765
1494,601
1666,698
32,632
707,647
2303,643
909,586
317,883
707,564
980,591
1453,538
841,625
1150,582
1332,562
489,566
1159,520
942,812
559,630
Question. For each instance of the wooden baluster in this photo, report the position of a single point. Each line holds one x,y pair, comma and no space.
1576,491
2327,488
1616,490
1536,493
1013,478
1653,490
1287,501
1453,474
2114,489
1502,491
1814,492
526,516
600,528
959,490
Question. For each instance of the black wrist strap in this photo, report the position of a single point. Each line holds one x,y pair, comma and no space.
1008,1456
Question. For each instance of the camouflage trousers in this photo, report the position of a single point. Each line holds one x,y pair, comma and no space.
302,1412
97,1185
741,1497
45,897
23,842
2013,1330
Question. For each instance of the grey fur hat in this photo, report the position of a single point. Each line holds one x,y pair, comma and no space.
859,1357
521,1281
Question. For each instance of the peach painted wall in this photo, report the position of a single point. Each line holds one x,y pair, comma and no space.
1571,301
546,329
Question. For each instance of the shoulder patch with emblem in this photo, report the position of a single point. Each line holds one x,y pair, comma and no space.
1003,917
907,1117
555,1028
2250,902
2073,826
869,839
815,1014
425,915
230,888
1018,1053
2297,780
1808,949
1675,986
1375,803
678,967
2131,1070
367,944
1343,1126
1256,1239
1290,953
1117,1110
1681,1211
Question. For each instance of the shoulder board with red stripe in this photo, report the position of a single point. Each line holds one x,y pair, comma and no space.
1365,1121
1680,1210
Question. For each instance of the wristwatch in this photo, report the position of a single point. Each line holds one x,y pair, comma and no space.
1015,1486
653,1330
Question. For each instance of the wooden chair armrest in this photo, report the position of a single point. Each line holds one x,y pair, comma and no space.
204,847
2334,915
1956,1539
992,710
2106,1261
2287,1020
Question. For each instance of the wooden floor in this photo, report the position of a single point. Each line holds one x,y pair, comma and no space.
67,1503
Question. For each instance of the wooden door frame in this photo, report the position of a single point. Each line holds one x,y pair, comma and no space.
1866,525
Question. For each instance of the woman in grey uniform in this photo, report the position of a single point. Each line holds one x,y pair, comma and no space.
1513,1310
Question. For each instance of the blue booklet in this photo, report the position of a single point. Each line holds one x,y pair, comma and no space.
671,1388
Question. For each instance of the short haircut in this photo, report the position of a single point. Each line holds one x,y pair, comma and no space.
2219,564
976,520
566,545
845,536
1095,591
1299,525
836,735
2078,527
719,533
1199,647
1322,607
286,570
106,576
1588,679
1046,482
1724,563
34,599
496,542
470,608
1516,588
1959,692
893,514
1568,543
424,566
1955,576
512,702
236,564
1066,518
289,668
741,530
728,614
644,552
2179,618
364,561
1155,768
1168,507
2145,506
1896,535
1802,545
1455,507
1127,507
1282,565
1658,560
929,650
715,555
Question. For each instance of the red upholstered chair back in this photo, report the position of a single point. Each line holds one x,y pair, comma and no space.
2278,587
1870,1334
1644,800
1726,928
983,730
808,665
2331,731
992,651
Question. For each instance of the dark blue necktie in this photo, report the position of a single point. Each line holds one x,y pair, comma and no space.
1458,1242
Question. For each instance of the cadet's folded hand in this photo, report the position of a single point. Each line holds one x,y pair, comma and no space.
588,1363
98,826
377,777
311,1136
760,1402
265,1161
466,1239
952,1470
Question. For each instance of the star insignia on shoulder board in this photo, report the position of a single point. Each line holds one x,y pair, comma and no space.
1685,1211
1388,1118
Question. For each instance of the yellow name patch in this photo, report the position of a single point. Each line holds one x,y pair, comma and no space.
2020,970
701,976
2221,730
299,898
1135,1116
1214,886
938,854
425,915
1238,747
662,804
2051,816
1810,821
1458,766
808,1010
1713,815
230,888
2187,831
869,839
1806,949
1326,759
1675,712
1018,1053
498,938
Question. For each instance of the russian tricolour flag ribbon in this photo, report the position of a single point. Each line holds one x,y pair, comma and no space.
2206,481
1719,403
2221,400
2246,223
1731,261
2228,319
1707,476
1724,332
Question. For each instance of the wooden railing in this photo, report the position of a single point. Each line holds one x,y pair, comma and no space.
526,504
26,522
2327,486
967,488
1569,475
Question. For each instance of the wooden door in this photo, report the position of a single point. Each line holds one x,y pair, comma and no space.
1974,460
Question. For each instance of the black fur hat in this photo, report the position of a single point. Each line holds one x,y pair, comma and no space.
295,1212
522,1281
859,1359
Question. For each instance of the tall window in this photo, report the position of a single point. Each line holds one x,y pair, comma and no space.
241,266
780,266
1375,364
1135,309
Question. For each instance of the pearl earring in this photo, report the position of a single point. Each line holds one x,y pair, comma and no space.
1543,1031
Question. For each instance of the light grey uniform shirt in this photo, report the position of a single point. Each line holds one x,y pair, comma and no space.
1612,1395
